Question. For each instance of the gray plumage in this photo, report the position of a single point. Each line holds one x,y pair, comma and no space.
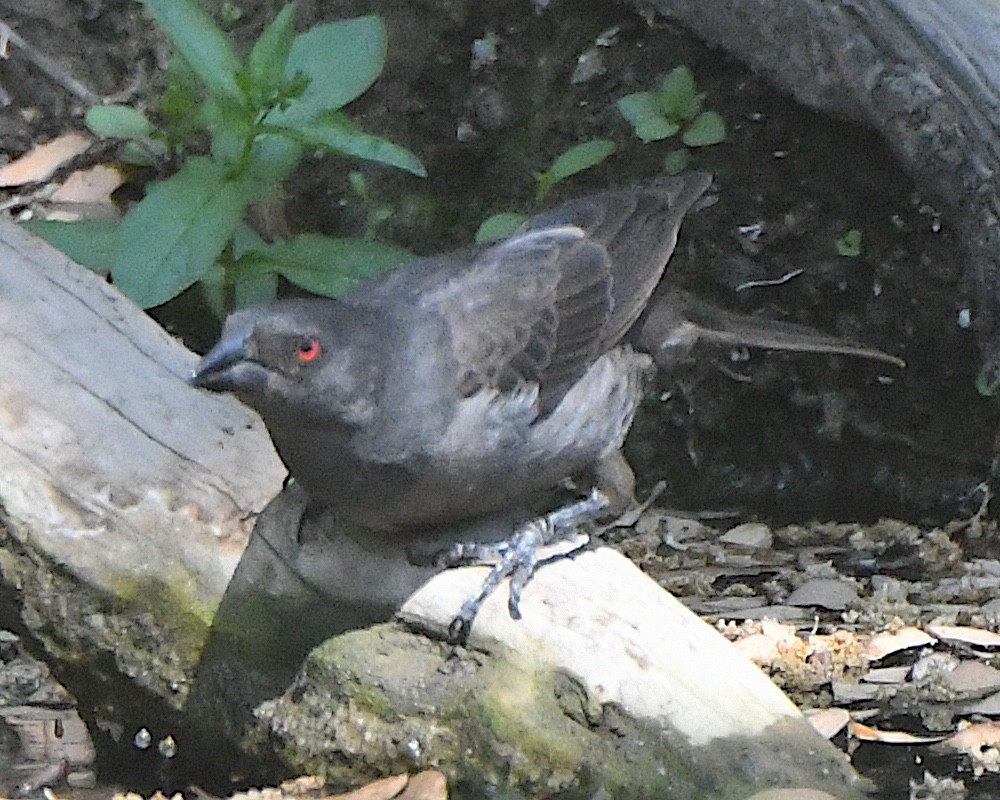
464,384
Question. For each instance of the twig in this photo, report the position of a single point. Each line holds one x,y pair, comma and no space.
46,65
772,282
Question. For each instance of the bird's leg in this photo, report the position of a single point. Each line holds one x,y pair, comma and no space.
519,555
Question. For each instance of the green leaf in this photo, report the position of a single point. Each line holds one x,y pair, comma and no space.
677,161
340,60
988,381
229,144
325,265
172,238
708,128
132,153
254,288
580,157
273,159
849,245
203,45
90,243
267,60
335,132
576,159
499,226
678,97
245,239
643,111
544,181
180,105
118,122
213,289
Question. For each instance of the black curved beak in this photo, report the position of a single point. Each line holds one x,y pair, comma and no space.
215,371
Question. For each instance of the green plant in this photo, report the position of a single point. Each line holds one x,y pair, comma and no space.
676,107
576,159
259,116
849,245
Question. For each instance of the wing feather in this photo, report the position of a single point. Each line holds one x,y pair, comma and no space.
541,306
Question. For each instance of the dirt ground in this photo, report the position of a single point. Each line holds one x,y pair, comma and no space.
826,446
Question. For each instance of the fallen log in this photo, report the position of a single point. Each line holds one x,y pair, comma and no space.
125,501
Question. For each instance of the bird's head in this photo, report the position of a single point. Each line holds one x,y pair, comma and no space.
305,358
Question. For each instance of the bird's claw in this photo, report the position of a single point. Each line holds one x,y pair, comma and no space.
519,557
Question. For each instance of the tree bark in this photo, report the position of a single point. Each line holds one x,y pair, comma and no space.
122,490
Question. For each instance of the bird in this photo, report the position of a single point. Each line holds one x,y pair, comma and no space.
472,384
468,384
462,384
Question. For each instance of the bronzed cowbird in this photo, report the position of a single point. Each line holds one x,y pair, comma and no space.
463,384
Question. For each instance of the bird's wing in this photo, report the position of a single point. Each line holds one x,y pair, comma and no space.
638,229
542,305
527,310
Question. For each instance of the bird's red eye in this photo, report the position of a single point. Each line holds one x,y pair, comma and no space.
309,350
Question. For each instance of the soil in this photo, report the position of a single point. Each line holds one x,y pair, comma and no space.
739,434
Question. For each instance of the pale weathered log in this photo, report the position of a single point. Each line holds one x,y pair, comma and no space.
607,684
122,489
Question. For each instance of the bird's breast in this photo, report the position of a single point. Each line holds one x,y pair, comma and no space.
494,453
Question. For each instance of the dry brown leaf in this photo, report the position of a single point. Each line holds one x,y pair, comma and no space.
792,794
828,722
973,676
94,185
866,733
427,785
972,738
977,637
39,163
383,789
847,692
885,644
886,675
980,742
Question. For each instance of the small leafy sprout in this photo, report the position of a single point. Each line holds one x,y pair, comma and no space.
677,107
576,159
499,226
259,116
988,381
849,245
